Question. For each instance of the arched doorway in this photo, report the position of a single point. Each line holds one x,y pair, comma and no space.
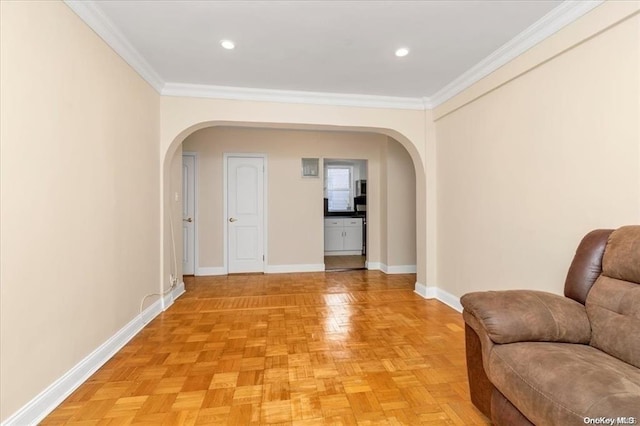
296,229
172,143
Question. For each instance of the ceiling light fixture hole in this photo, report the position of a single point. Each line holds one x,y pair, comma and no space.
227,44
403,51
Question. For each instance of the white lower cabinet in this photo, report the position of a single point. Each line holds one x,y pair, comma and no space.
343,236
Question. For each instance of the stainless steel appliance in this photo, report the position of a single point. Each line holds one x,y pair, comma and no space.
360,204
360,209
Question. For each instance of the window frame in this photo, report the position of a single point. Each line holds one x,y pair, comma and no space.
350,207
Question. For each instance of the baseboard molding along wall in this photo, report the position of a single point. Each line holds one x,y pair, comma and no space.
47,400
207,271
169,298
316,267
284,269
269,269
438,294
393,269
372,266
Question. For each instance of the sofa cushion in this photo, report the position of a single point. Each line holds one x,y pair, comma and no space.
613,307
621,258
527,316
564,383
613,304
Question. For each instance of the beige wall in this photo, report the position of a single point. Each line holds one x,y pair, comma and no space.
528,162
295,210
80,201
400,206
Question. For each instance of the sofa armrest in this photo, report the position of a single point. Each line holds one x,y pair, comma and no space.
527,316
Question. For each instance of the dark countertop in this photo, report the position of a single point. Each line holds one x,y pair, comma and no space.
344,214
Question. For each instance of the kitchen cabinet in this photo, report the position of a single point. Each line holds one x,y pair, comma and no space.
343,236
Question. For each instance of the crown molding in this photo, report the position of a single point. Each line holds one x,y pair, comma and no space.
91,14
561,16
564,14
101,25
291,96
428,103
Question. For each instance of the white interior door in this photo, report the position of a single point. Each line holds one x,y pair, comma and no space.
188,214
245,214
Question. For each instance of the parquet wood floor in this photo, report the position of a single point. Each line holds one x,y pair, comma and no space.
335,348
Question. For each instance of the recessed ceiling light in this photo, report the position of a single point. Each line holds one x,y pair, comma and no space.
403,51
227,44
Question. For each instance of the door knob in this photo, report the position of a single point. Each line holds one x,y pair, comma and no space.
187,220
232,219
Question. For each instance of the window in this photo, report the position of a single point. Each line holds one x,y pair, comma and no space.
339,188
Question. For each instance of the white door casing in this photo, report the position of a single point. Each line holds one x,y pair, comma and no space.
188,213
245,214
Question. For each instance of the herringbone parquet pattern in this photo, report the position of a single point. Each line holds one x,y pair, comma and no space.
298,349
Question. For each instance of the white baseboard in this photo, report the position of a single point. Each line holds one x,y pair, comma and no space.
423,290
206,271
393,269
319,267
373,266
439,294
169,298
284,269
449,299
401,269
47,400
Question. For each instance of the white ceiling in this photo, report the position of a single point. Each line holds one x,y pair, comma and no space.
343,47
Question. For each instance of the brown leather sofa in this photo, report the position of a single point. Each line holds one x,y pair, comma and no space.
543,359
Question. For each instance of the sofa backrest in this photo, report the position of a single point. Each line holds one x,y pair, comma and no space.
613,303
586,265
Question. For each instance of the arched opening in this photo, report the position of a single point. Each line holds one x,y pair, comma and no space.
171,174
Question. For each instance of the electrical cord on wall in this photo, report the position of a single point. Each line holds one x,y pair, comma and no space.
173,278
173,275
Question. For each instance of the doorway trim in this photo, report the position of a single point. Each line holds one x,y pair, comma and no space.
225,215
196,244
